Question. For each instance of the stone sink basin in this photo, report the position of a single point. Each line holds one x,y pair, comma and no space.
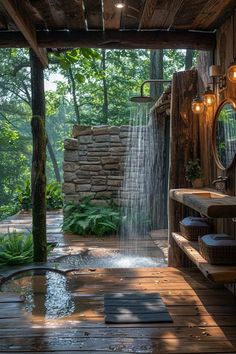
209,203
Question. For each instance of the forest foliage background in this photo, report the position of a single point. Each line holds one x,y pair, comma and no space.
82,86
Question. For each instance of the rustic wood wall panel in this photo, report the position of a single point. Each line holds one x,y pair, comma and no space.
161,127
223,57
184,145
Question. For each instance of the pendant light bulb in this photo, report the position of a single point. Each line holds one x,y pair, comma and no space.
209,97
198,105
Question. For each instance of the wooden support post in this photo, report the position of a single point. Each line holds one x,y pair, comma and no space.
184,145
38,177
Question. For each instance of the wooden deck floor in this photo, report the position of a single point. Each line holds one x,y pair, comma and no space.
204,317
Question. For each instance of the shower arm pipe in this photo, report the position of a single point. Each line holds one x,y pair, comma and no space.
153,80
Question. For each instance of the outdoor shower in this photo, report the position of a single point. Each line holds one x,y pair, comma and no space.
146,99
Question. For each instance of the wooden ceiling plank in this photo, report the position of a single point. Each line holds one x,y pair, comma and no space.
93,14
43,9
18,15
210,13
148,11
74,14
131,14
172,10
114,39
111,15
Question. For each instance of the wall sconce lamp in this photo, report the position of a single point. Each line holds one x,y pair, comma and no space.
208,100
231,72
198,106
209,97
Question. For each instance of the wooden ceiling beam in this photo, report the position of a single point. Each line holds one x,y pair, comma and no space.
113,39
16,12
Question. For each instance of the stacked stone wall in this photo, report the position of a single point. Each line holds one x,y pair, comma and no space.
94,163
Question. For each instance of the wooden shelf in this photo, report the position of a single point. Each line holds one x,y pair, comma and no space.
207,202
218,274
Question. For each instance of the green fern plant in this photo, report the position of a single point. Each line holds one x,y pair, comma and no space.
89,219
16,248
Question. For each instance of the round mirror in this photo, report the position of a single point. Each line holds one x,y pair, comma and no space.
224,134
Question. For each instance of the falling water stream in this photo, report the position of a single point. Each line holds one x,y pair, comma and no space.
136,192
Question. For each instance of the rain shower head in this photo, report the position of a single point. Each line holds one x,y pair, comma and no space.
142,99
147,99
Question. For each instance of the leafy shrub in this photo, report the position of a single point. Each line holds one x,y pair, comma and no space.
23,196
8,210
16,248
54,197
89,219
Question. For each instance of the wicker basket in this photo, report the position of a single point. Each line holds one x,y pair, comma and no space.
218,249
193,227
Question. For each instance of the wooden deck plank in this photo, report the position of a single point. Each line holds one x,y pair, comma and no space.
204,317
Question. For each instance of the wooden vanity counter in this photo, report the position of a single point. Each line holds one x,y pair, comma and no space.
207,202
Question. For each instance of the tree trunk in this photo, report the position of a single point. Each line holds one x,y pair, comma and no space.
189,59
54,160
105,88
156,72
76,106
38,176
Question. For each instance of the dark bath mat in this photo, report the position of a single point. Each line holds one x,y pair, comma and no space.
135,308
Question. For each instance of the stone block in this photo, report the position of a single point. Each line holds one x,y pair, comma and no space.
112,188
93,158
69,166
86,162
68,188
100,145
82,153
114,182
82,180
71,156
85,139
98,149
124,134
116,145
71,144
83,174
118,150
110,160
102,130
69,176
111,167
98,153
78,129
102,138
90,167
86,132
114,130
82,147
125,128
83,187
117,177
98,188
99,180
115,139
104,194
